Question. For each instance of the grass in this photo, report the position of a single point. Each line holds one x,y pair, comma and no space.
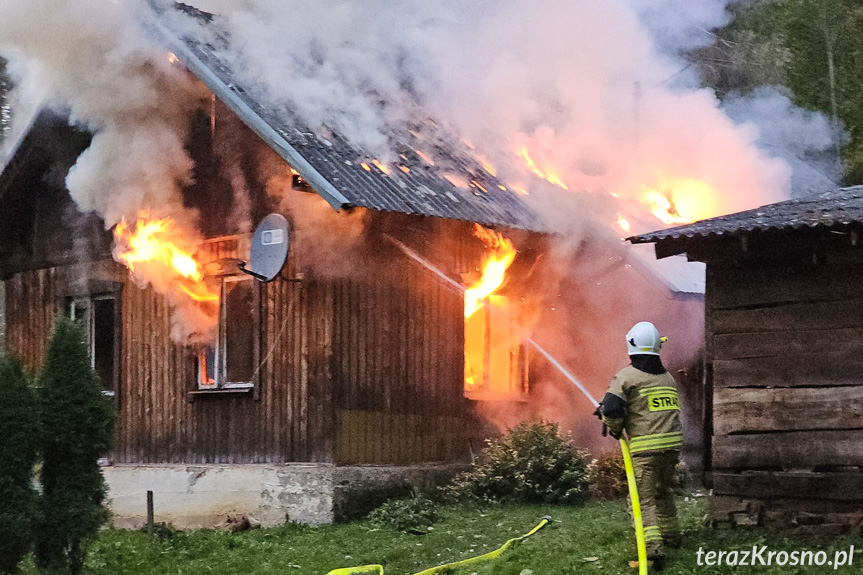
594,539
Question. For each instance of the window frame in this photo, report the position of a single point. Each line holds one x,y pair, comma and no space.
220,383
70,308
519,365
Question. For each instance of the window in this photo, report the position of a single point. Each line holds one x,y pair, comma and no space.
230,363
495,357
97,315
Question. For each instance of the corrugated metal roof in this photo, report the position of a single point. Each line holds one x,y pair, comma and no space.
333,168
834,208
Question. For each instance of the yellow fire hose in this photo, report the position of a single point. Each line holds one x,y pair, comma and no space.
636,507
379,569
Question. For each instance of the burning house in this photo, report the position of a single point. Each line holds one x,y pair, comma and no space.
395,339
783,395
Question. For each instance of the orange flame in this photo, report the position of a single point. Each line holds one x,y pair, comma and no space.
381,167
150,242
494,269
682,200
486,165
545,175
663,208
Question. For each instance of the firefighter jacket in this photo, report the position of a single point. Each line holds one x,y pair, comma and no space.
647,406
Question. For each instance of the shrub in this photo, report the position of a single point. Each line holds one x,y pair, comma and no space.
19,429
531,463
404,514
608,476
77,431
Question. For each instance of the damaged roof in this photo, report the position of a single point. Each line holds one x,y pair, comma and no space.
832,209
341,173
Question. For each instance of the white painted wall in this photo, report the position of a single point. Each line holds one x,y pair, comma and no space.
194,496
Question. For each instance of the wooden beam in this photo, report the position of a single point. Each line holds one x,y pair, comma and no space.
800,370
787,343
787,409
764,284
670,247
788,450
798,485
794,316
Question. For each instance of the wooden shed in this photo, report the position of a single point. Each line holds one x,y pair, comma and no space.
783,359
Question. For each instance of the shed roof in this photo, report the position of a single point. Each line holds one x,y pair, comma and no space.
831,209
334,168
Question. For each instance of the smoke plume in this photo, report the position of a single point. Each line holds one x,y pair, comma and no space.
95,61
596,91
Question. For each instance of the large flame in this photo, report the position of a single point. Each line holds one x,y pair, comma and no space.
501,255
151,241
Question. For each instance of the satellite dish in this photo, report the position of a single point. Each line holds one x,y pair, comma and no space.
269,249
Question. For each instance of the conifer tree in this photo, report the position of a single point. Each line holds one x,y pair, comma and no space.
77,425
19,433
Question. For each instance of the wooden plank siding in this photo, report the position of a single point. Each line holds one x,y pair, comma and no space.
354,370
31,306
746,410
784,346
156,421
290,422
835,486
399,371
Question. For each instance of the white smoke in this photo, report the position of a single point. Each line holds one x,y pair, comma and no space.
803,137
597,90
95,61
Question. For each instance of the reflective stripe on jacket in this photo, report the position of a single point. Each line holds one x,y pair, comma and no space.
652,419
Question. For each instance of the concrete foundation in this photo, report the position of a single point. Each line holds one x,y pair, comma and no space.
202,496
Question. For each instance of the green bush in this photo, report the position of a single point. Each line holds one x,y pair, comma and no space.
77,425
608,476
404,514
531,463
19,429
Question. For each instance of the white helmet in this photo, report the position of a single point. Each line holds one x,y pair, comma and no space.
644,339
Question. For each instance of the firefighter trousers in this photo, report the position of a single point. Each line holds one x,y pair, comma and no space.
654,477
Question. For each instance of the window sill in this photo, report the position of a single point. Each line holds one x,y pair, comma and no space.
498,397
229,391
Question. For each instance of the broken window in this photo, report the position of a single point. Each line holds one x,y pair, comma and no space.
495,357
230,362
97,316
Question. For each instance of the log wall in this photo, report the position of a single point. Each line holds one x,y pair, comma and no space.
784,347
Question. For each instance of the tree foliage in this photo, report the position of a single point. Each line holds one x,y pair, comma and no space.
77,430
814,47
19,428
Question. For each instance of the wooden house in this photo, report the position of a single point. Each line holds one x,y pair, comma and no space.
345,378
783,370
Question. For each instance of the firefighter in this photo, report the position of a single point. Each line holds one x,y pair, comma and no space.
643,401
